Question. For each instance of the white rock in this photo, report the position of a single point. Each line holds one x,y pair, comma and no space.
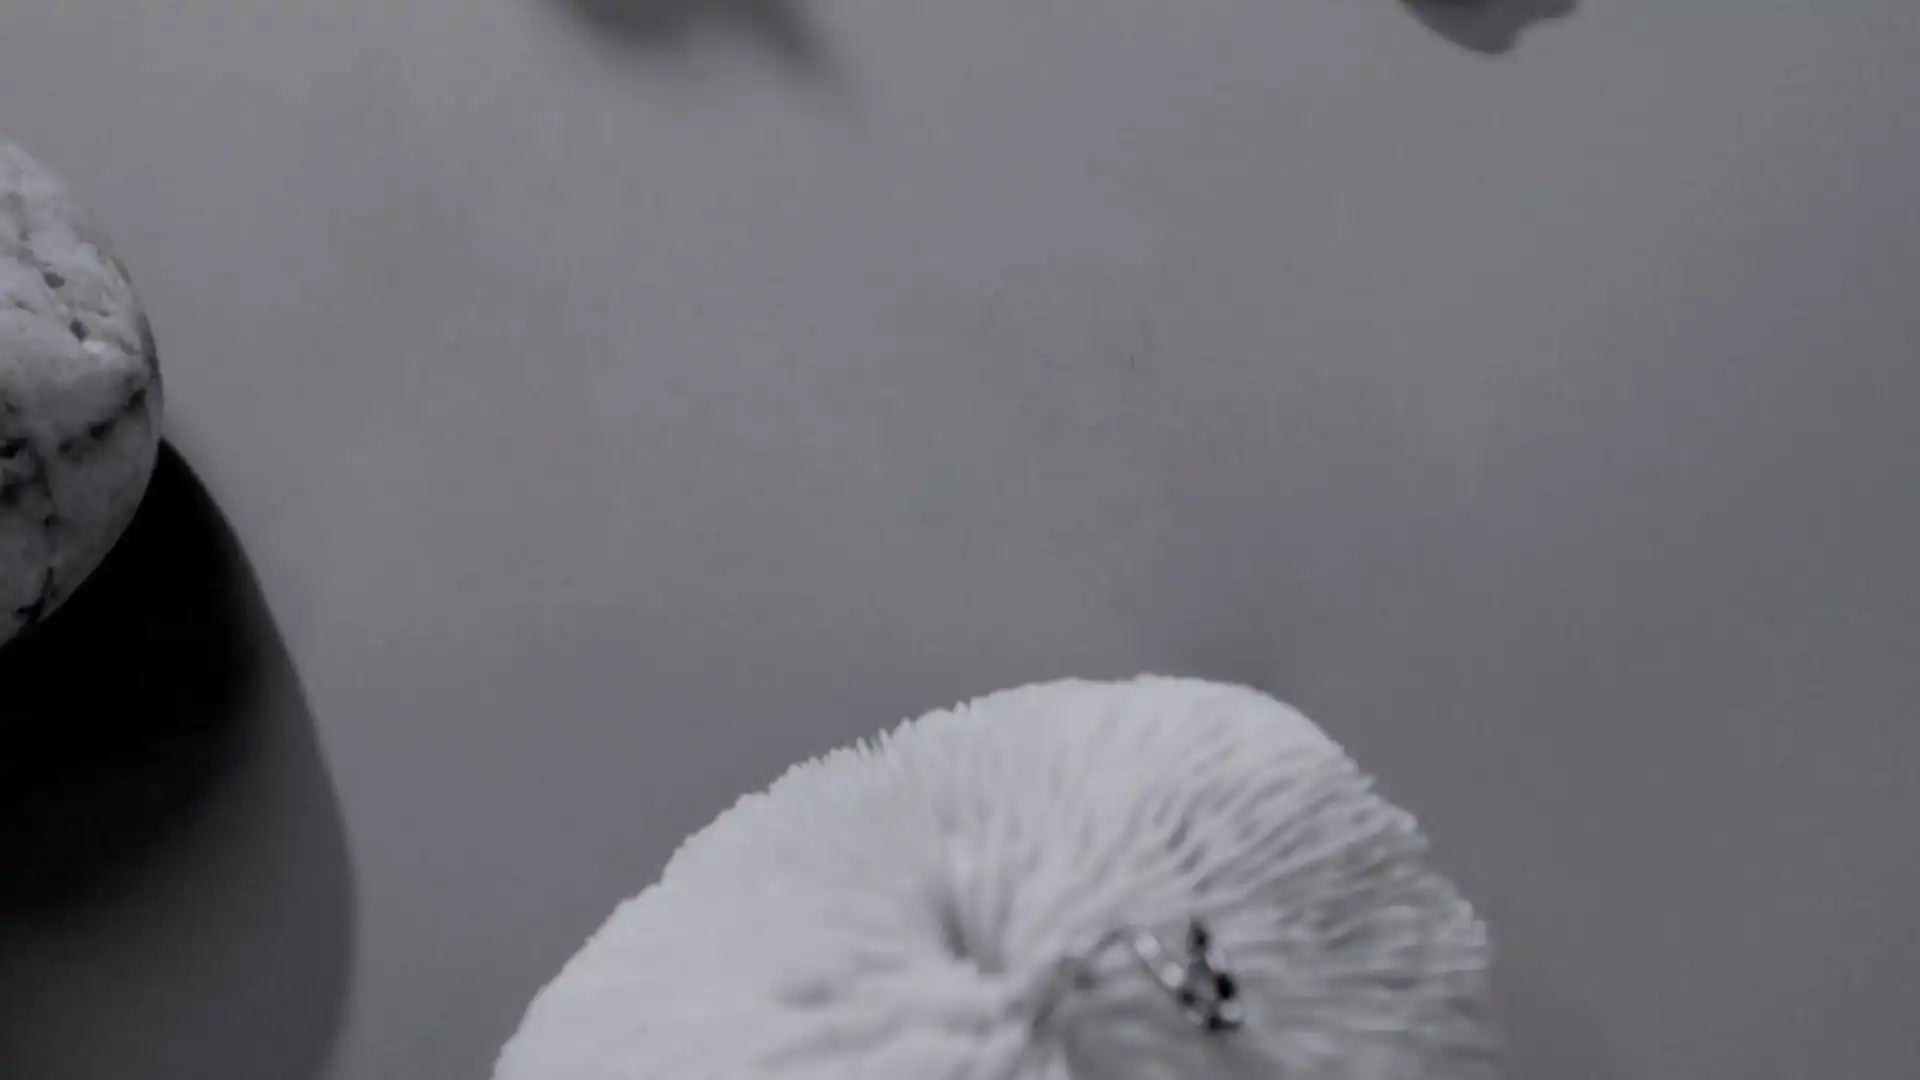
908,909
79,394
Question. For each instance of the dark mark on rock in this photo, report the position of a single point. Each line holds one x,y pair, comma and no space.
34,475
33,612
102,429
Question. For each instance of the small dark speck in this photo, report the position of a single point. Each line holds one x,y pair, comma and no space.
32,612
79,329
53,278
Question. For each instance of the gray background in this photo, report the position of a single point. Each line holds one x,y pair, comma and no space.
617,402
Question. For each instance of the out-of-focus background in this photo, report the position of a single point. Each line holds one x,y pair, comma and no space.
583,408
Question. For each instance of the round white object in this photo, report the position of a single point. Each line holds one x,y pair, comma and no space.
906,910
79,394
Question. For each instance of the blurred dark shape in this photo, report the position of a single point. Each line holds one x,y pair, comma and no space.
1487,26
175,897
780,27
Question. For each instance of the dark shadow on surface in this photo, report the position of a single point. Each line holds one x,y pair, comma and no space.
175,896
1489,27
780,28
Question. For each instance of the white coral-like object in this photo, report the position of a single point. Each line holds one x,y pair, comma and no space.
929,906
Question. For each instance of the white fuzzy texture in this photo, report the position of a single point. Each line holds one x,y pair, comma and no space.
900,911
79,394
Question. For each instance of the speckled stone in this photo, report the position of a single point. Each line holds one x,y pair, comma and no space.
79,394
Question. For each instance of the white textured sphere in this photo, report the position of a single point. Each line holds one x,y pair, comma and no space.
79,394
902,911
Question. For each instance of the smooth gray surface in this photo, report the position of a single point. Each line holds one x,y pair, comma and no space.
617,408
